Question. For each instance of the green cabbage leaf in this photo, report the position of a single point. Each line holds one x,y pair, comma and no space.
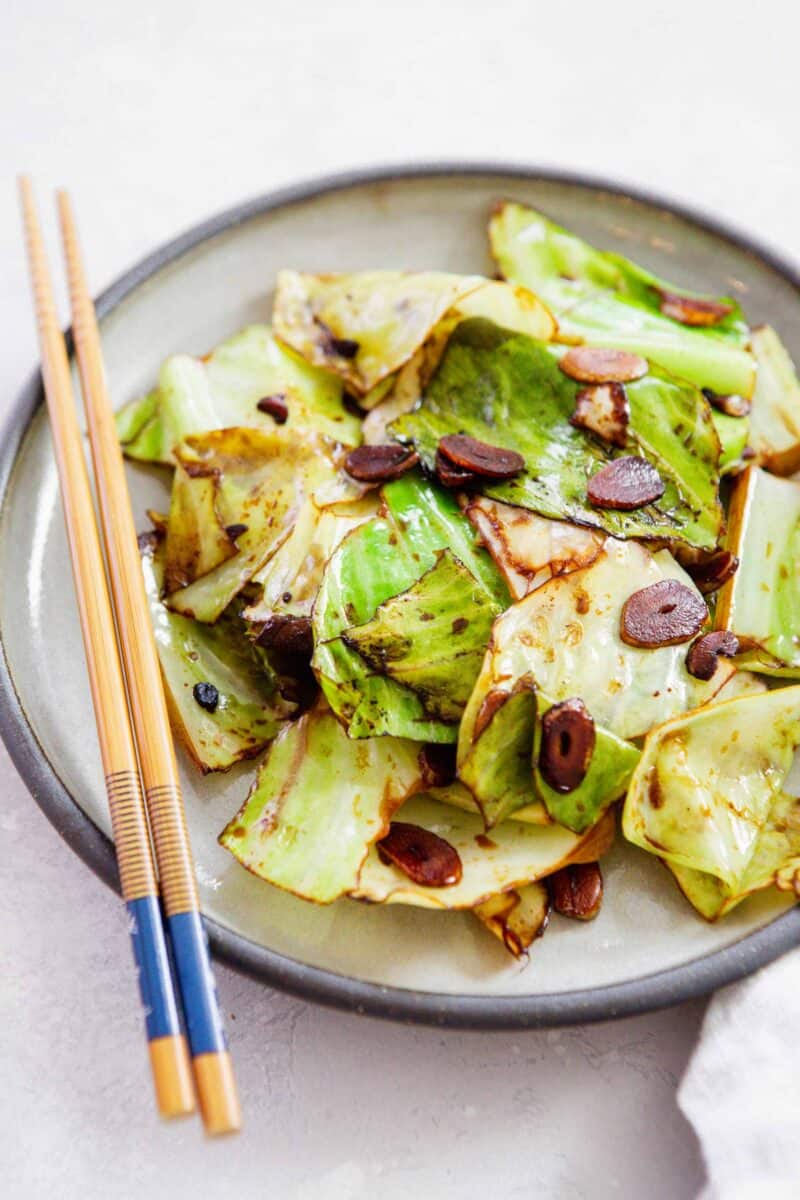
563,641
368,325
236,495
775,861
507,389
527,548
761,602
250,709
422,640
320,799
775,415
365,325
375,563
605,300
517,918
627,689
222,390
291,577
708,796
513,855
734,440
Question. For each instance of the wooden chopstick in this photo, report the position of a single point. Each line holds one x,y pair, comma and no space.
167,1045
213,1071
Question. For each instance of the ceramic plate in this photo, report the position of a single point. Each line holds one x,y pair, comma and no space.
646,948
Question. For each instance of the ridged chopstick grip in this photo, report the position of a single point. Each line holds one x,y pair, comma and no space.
167,1044
213,1072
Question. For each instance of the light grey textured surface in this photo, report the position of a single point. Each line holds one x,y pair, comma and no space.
156,120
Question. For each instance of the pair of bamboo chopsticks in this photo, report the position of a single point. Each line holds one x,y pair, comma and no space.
169,944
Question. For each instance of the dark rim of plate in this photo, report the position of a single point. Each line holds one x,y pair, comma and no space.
694,978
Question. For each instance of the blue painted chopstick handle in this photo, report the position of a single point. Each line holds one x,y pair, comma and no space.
198,989
151,952
184,923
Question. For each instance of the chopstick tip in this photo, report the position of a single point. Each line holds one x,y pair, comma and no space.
169,1062
216,1091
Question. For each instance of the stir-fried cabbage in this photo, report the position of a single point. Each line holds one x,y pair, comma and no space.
318,803
507,389
290,580
249,708
197,395
457,794
402,641
775,861
527,548
626,689
516,918
368,325
379,561
512,307
761,603
246,485
707,794
606,300
421,639
775,416
734,440
512,855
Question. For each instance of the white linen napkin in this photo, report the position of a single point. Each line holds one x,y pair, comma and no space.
741,1090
